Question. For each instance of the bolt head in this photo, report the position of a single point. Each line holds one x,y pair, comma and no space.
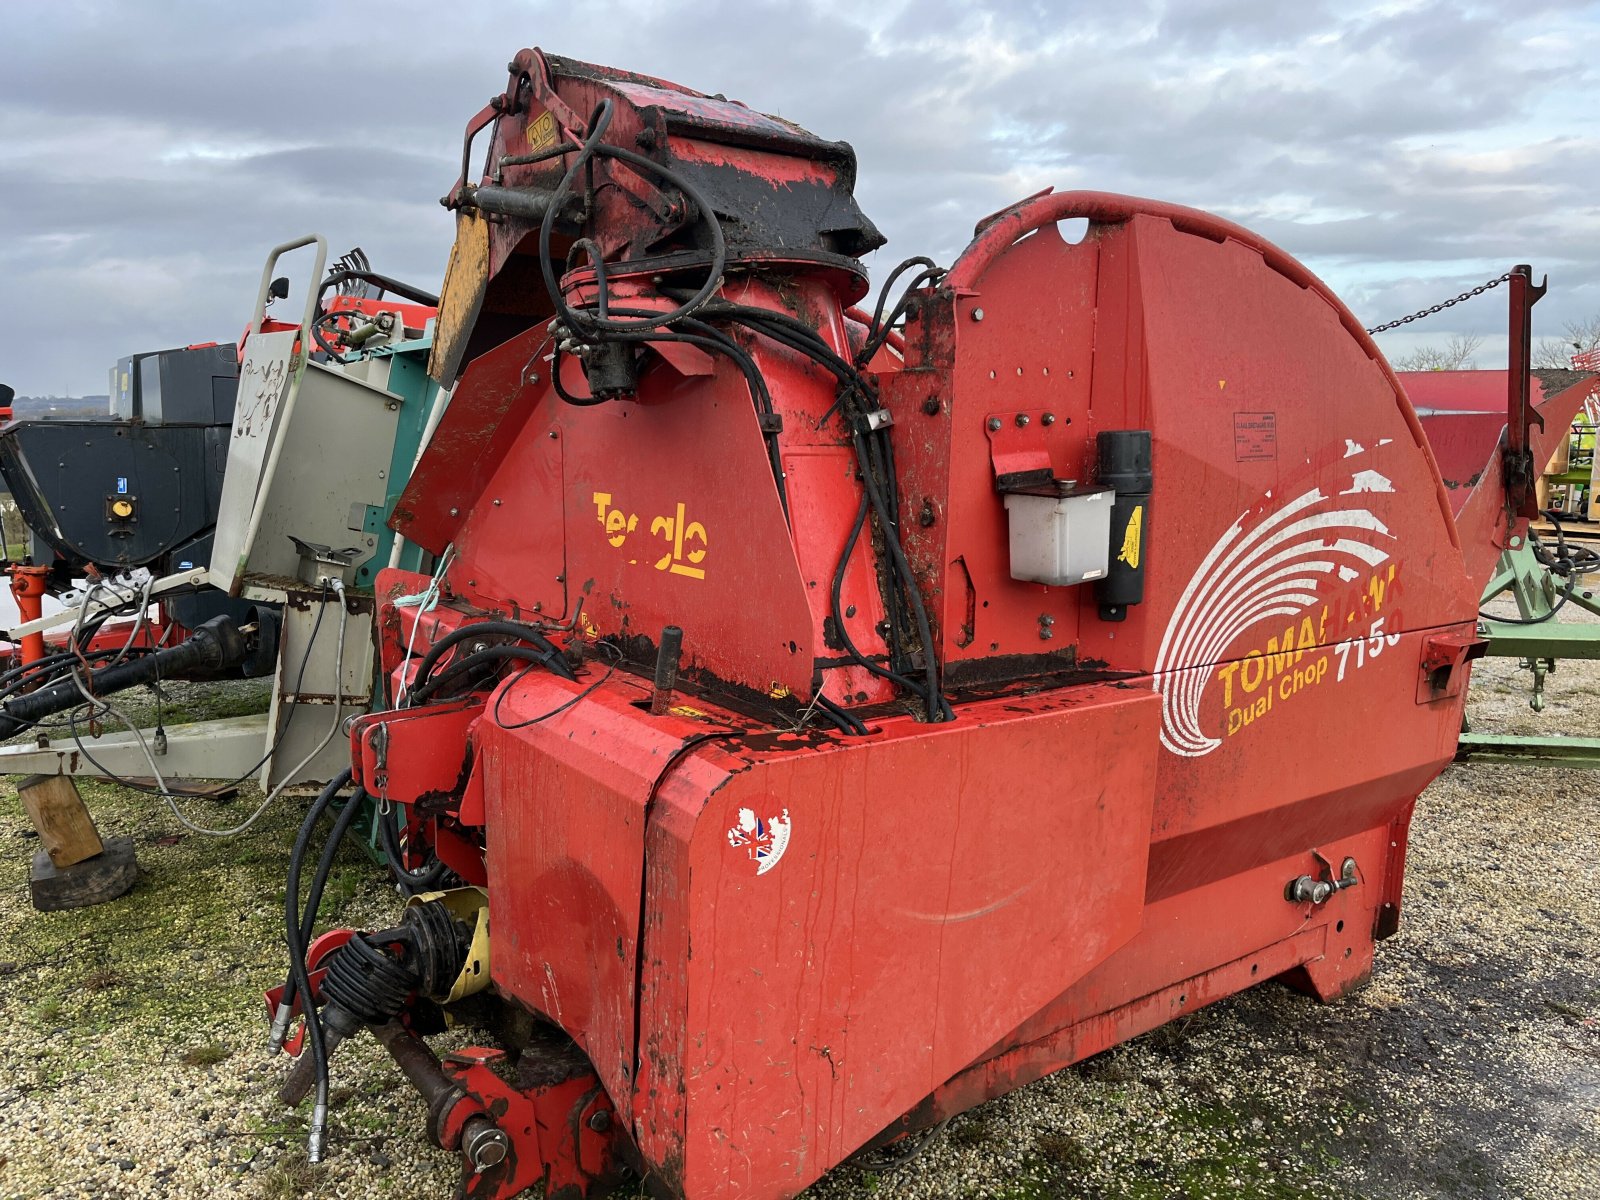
455,512
1048,419
1022,420
994,424
977,314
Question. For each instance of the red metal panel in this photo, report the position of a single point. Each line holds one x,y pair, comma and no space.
776,944
486,412
851,910
1482,516
565,799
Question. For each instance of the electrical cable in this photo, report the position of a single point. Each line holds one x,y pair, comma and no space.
289,779
425,602
560,708
283,730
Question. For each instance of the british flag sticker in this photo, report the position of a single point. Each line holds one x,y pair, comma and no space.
763,839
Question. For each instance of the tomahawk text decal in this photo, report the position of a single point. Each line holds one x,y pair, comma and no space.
1311,577
680,546
763,839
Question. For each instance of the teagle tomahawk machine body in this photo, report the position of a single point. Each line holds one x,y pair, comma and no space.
840,718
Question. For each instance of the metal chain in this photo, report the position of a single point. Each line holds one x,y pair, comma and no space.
1439,308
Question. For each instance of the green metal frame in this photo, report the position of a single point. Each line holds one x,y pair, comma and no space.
417,393
1540,645
418,396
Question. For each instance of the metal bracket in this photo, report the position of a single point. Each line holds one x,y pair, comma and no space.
1307,890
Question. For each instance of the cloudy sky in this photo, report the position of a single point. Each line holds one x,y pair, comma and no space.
151,153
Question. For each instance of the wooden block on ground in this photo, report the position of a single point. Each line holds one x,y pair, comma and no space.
106,876
58,813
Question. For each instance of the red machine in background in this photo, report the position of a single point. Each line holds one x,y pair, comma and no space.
834,732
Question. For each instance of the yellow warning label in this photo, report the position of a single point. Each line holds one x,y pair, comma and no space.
541,132
1130,539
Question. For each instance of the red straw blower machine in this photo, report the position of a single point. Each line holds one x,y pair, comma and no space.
838,716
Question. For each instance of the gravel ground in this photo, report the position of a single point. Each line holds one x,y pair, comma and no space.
1469,1067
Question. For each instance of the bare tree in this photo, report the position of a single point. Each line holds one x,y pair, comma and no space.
1555,353
1455,355
12,527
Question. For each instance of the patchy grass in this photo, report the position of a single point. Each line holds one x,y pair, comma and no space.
291,1178
102,978
207,1054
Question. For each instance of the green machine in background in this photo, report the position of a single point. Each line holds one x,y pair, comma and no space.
1543,581
401,369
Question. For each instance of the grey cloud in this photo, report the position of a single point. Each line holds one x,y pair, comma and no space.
150,154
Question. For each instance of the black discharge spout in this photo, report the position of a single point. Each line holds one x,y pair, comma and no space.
216,645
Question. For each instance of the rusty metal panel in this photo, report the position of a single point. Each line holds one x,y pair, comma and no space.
466,278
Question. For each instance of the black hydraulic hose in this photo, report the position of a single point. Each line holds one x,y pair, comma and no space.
215,645
299,974
881,466
404,290
331,317
424,880
1561,602
938,707
838,614
319,882
592,145
888,284
17,678
879,337
302,842
516,629
852,725
489,654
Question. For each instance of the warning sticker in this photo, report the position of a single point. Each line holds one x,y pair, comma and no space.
1255,437
541,133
